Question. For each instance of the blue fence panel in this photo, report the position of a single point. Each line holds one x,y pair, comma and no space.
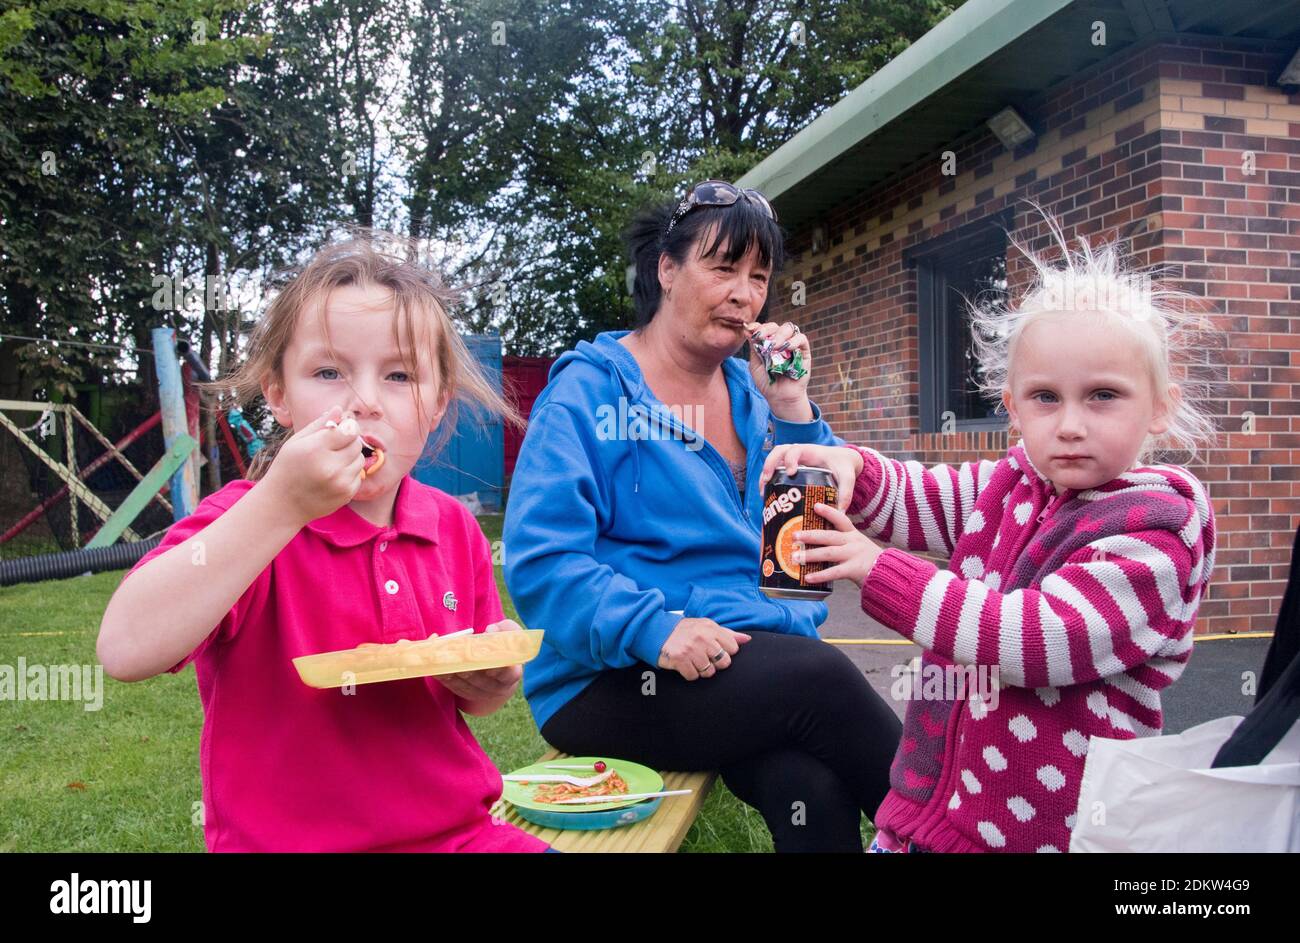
473,460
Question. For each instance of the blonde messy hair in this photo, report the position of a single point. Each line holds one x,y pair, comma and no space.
1174,338
423,324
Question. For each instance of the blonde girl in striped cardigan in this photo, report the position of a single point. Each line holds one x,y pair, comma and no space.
1075,567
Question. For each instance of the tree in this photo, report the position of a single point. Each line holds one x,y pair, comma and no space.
680,90
513,139
91,93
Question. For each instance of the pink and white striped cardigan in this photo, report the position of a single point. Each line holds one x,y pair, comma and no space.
1085,602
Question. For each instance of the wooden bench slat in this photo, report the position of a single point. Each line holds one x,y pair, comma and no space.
663,831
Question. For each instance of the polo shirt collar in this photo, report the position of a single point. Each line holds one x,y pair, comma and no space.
415,514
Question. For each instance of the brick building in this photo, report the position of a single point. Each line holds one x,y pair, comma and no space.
1174,125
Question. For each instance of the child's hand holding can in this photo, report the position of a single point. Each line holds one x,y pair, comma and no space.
852,553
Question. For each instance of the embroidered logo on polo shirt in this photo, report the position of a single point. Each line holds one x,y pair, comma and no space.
449,600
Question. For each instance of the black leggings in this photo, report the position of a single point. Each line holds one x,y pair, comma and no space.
791,721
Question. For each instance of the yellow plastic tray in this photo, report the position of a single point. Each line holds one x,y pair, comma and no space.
438,655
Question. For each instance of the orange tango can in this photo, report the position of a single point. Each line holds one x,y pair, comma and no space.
788,507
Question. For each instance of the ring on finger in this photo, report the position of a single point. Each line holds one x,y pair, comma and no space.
701,671
717,657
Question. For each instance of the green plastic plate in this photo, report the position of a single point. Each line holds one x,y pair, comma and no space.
639,779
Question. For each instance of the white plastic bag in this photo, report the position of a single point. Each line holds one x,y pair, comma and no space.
1160,794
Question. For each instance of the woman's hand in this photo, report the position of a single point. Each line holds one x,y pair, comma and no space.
317,470
788,399
852,552
844,462
700,648
483,691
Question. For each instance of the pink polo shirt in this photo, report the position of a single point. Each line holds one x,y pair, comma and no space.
390,767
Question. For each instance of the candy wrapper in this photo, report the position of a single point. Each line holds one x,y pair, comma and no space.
779,363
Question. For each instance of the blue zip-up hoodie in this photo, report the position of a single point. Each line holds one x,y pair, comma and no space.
623,520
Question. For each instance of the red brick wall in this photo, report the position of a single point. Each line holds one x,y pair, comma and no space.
1148,146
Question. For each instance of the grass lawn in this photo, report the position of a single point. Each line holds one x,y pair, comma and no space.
127,779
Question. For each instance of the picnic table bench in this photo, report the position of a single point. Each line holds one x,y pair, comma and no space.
663,831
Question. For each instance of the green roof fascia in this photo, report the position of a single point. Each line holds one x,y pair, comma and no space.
957,44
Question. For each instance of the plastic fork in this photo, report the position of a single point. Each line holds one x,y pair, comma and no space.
590,766
560,778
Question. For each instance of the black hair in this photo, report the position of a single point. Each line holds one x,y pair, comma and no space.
741,225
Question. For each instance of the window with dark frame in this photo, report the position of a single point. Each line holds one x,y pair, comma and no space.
954,270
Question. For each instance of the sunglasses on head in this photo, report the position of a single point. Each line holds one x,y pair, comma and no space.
717,193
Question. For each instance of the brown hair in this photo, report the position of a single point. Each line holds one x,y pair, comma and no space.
422,302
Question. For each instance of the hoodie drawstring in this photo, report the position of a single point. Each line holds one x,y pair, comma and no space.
617,377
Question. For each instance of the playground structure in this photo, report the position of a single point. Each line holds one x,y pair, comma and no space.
114,512
103,530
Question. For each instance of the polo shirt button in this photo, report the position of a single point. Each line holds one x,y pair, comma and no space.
383,546
391,587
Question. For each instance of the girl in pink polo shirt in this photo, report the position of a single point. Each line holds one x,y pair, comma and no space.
327,545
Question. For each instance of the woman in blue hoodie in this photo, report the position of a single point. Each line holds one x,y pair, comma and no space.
632,538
